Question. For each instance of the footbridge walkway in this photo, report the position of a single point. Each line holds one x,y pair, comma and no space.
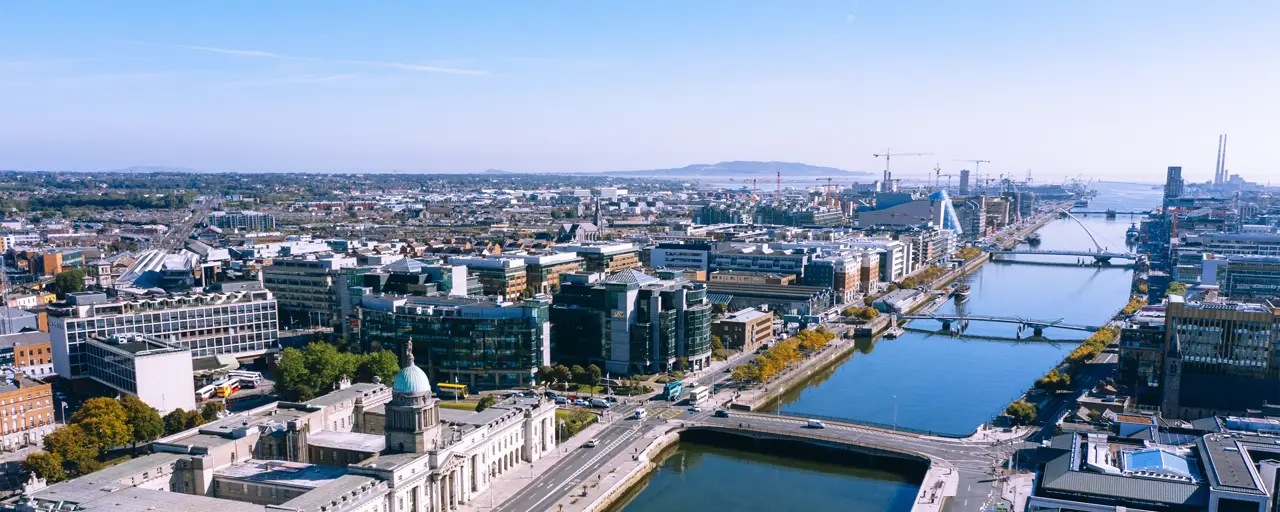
1097,255
1037,325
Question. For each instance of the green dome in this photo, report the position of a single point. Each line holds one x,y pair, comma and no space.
411,380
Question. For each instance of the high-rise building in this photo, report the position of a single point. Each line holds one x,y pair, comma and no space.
631,322
964,182
544,270
1219,358
1172,185
479,343
236,319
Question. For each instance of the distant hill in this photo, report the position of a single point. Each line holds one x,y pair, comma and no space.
746,169
147,169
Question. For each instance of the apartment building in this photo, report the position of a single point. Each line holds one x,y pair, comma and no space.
500,277
744,330
243,220
544,270
26,411
313,291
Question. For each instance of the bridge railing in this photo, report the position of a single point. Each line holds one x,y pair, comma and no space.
873,424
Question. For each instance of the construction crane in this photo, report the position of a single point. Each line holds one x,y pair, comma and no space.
937,175
827,188
977,168
888,176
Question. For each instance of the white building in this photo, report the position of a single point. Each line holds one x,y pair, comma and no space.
155,371
237,320
352,450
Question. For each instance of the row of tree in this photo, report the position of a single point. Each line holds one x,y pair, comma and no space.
101,425
923,278
862,313
968,253
563,375
786,353
316,369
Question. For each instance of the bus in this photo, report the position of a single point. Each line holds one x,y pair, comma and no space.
247,379
446,390
228,387
205,393
672,390
698,393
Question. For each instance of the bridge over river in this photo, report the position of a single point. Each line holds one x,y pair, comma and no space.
1038,326
959,476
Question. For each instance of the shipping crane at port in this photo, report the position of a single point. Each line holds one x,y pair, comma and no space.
888,175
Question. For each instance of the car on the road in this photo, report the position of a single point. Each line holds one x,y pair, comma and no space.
599,403
580,402
695,409
562,400
728,370
815,424
721,413
591,443
550,394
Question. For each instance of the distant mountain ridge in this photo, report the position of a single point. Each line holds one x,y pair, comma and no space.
745,168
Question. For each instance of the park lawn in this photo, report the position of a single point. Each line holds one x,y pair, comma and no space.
461,405
574,420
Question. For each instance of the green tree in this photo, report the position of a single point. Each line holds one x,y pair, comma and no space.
563,374
716,343
545,375
210,411
486,402
45,465
382,364
593,375
77,451
69,281
327,366
578,374
868,313
145,420
1021,412
1176,288
105,422
175,421
292,374
719,308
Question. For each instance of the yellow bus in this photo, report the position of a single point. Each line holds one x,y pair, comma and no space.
445,389
227,388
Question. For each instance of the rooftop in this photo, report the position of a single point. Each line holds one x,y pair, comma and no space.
350,441
292,474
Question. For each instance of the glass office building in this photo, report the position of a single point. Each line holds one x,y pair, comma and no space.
458,340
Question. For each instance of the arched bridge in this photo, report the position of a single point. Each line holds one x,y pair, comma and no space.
1100,254
1037,326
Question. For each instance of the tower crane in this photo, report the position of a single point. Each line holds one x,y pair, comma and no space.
937,175
888,176
827,188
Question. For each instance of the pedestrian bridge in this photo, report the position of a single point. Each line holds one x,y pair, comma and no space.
1097,255
1037,325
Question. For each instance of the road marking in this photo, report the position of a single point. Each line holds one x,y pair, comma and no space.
593,460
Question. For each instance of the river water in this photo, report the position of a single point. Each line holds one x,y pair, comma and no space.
923,380
702,477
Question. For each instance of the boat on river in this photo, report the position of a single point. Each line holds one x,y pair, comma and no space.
1132,234
1033,239
961,292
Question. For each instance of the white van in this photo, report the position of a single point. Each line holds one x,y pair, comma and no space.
816,424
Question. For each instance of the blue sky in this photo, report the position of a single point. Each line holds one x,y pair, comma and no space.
1101,88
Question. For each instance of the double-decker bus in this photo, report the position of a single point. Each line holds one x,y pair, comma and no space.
247,379
446,390
205,393
673,390
228,387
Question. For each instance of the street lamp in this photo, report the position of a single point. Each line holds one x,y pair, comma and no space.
895,413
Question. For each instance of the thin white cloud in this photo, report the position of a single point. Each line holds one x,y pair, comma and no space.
243,53
416,67
292,80
393,65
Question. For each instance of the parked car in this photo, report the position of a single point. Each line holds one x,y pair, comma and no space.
599,403
562,400
580,402
550,394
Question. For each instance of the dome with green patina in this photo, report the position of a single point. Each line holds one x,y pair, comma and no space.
411,380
